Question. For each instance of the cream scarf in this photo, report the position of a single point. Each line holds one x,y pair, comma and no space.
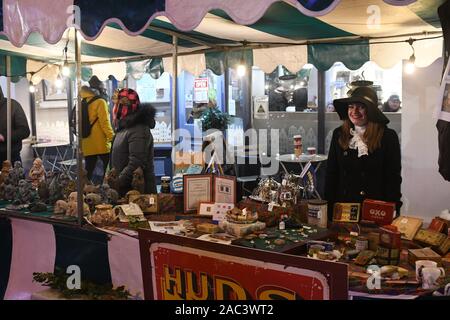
357,141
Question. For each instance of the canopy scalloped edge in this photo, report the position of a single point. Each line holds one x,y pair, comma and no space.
185,16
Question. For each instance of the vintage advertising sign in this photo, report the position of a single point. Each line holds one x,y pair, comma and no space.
380,212
201,90
191,269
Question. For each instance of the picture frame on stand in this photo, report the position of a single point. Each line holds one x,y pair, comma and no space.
198,188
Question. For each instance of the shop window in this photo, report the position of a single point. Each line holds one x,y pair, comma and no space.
292,92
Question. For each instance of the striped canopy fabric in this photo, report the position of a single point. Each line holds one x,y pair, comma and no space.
290,32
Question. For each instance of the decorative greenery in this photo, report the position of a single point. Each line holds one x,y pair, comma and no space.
213,118
90,290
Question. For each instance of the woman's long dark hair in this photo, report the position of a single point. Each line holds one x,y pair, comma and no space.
372,136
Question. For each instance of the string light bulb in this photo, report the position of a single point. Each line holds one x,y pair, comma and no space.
241,70
32,88
410,66
65,70
59,83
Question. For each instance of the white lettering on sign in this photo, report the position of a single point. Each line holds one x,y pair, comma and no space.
201,90
375,212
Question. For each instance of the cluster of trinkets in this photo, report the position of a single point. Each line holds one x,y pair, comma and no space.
277,239
236,215
285,194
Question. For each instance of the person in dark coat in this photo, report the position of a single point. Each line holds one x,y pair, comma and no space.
19,128
364,160
392,104
133,143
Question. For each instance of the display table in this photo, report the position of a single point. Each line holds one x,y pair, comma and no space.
113,254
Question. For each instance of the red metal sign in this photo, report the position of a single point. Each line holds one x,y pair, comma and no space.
180,268
192,274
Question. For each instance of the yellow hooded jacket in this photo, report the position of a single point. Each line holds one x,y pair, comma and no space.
99,141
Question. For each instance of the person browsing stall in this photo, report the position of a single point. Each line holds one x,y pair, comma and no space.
392,104
364,159
19,128
133,144
97,145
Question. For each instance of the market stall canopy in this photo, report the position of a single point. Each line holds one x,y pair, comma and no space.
307,31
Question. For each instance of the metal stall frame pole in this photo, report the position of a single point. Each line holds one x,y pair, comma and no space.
33,115
8,108
321,113
79,137
69,107
174,98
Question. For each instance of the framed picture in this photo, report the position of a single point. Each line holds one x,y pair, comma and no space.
52,93
197,189
147,202
225,189
206,208
49,96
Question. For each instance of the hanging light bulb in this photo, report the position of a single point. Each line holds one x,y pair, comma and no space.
410,66
59,83
241,70
32,88
65,70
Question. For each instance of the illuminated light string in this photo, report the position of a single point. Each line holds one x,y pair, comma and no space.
241,69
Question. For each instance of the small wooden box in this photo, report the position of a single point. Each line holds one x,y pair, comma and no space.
380,212
408,226
388,256
208,228
423,254
430,238
346,212
438,225
390,238
445,246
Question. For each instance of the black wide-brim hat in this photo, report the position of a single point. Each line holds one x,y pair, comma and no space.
366,96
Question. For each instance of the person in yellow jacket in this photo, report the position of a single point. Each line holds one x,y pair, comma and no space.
98,144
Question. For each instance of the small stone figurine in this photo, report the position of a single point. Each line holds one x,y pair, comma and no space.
12,178
9,192
25,193
138,182
108,194
60,207
6,169
112,179
72,208
55,192
18,170
37,173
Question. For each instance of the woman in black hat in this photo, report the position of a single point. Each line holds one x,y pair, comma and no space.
364,158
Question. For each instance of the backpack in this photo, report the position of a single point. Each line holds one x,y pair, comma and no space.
86,126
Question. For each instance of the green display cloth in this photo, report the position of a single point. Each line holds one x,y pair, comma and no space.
292,237
45,214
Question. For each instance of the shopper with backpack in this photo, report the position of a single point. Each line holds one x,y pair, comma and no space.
96,133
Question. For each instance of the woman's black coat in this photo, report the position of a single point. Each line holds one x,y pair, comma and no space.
376,176
133,147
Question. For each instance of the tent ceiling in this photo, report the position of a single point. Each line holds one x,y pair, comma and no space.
212,24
